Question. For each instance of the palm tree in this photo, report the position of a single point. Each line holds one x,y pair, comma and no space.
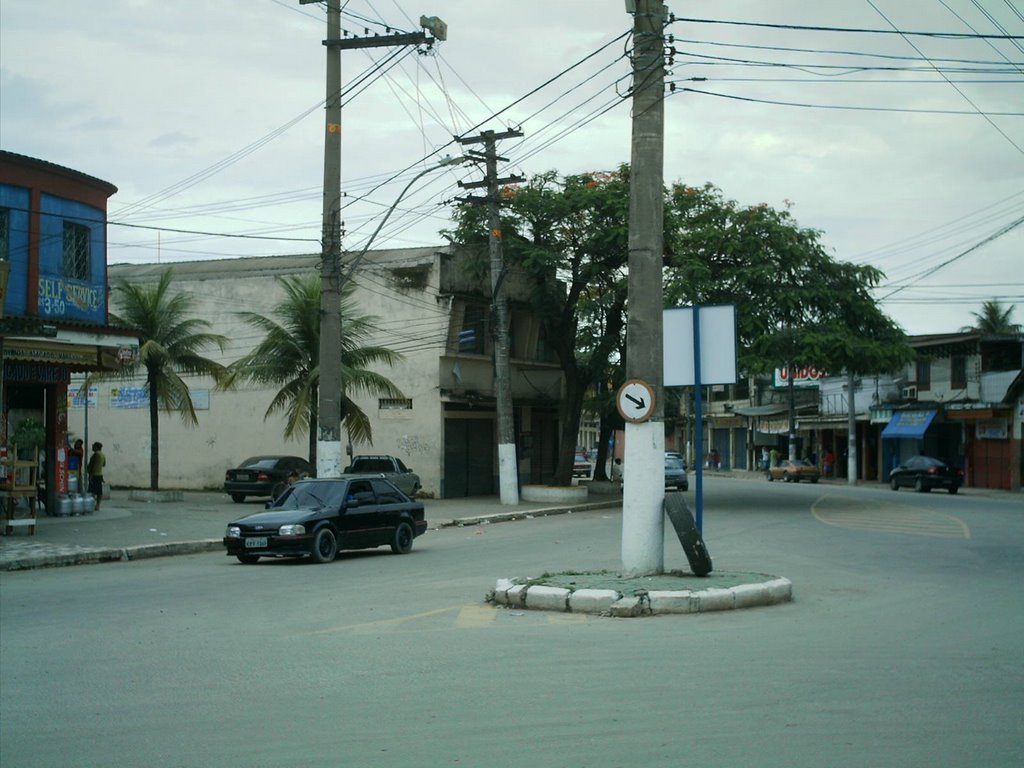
993,319
289,358
170,346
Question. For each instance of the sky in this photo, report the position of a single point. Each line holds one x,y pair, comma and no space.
905,150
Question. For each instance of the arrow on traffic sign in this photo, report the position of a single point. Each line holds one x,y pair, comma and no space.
640,404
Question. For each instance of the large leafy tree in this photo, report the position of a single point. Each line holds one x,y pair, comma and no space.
171,346
288,357
568,238
795,304
993,318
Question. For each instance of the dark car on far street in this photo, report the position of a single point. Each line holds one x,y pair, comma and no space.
675,472
922,473
263,476
317,518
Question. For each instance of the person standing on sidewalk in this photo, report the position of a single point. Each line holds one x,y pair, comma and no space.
97,462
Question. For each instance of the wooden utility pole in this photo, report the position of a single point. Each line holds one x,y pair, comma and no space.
508,464
330,403
643,520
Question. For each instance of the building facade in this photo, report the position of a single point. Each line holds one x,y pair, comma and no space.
427,306
53,274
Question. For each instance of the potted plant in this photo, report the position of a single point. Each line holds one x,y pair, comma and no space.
29,435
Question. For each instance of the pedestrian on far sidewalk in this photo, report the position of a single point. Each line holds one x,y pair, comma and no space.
97,463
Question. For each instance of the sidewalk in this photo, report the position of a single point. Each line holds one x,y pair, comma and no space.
129,527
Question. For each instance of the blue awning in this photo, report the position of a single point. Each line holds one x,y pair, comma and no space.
912,424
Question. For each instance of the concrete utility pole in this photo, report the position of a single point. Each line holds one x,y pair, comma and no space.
330,411
643,521
851,430
508,465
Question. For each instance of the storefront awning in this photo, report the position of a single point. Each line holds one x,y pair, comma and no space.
772,409
908,424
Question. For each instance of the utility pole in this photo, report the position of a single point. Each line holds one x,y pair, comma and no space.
643,521
508,465
330,409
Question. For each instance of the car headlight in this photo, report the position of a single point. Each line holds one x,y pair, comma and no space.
233,532
291,530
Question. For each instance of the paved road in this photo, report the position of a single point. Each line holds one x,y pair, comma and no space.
902,648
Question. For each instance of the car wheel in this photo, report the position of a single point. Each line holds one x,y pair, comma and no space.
893,484
401,541
953,489
248,559
814,479
919,485
786,478
238,498
768,476
325,546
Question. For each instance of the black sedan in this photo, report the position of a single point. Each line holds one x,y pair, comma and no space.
263,476
316,518
922,473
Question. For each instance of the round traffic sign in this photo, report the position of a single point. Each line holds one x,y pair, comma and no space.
635,401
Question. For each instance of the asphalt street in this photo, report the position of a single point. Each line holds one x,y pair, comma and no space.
902,647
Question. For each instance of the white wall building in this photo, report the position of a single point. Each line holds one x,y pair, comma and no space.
428,308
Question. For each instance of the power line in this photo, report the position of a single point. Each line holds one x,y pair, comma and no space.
860,30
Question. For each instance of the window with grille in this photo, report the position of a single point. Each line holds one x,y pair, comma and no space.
394,404
76,251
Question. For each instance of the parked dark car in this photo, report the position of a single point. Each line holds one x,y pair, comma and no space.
793,471
263,476
922,473
675,473
390,467
317,518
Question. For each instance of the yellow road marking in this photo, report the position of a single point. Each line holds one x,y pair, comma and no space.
479,615
889,517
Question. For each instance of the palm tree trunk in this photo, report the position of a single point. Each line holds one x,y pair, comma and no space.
154,436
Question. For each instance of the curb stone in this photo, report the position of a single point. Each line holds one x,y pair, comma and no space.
512,593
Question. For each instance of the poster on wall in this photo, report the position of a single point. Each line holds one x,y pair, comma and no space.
992,429
129,397
77,398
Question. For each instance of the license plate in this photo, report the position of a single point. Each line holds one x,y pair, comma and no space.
242,476
256,542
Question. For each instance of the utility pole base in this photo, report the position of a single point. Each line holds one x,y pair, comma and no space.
508,473
643,498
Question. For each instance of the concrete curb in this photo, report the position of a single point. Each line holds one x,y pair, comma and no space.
63,556
512,593
526,514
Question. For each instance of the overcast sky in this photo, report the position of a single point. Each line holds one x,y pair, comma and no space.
905,150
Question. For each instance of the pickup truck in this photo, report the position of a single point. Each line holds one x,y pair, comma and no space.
391,468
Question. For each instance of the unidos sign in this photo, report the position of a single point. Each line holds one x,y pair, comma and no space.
802,377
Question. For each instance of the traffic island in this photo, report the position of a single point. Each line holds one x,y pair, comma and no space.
610,594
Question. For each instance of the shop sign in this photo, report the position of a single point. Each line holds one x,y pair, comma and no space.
35,373
42,352
802,377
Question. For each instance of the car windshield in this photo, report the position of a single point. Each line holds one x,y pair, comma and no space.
671,462
260,462
302,495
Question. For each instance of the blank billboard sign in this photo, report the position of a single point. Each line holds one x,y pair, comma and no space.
717,345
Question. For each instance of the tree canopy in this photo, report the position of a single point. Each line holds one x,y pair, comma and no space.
289,357
993,318
795,304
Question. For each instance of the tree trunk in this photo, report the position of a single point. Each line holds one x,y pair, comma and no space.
569,414
154,436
